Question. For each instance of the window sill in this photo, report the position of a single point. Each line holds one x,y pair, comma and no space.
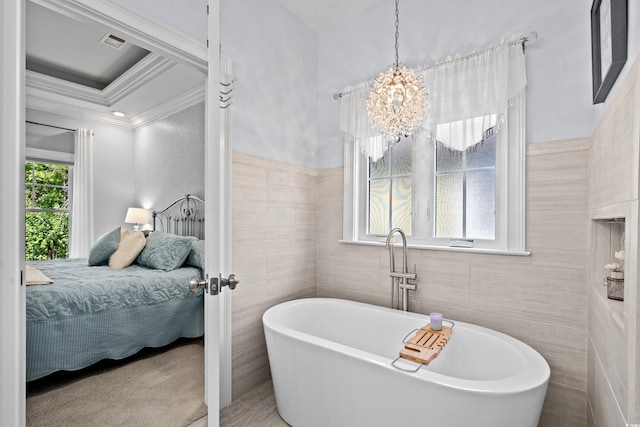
443,248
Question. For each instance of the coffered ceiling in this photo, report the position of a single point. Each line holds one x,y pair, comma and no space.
88,71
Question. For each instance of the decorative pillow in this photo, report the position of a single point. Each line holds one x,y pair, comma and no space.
165,251
104,247
130,246
196,255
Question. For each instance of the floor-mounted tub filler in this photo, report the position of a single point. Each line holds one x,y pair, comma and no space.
334,363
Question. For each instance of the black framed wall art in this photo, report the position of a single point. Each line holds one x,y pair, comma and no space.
608,44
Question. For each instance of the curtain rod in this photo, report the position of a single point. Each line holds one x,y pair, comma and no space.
50,126
532,37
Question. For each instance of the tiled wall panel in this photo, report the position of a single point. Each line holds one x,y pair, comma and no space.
540,299
613,186
274,254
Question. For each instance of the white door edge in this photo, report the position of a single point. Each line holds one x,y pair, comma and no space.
215,213
12,293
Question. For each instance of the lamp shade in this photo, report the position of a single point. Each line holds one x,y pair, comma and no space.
136,216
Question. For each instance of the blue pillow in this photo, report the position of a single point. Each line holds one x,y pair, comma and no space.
104,247
196,255
165,251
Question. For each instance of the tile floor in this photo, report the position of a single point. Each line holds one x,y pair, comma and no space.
255,409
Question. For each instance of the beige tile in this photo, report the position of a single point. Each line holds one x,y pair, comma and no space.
564,407
250,369
544,257
559,146
557,295
558,167
373,298
440,279
556,195
610,344
292,178
252,272
249,186
513,326
255,408
555,229
600,173
565,351
603,403
622,148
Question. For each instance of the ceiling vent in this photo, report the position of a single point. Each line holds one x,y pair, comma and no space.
113,41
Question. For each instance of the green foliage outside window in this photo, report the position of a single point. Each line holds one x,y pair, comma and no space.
47,211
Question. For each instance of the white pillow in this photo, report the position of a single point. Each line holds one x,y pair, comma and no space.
130,246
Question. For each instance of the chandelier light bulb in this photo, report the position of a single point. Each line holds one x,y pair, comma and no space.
397,101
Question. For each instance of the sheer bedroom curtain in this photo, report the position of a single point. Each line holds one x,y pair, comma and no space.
479,86
81,234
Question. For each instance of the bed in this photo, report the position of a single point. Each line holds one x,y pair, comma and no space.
93,311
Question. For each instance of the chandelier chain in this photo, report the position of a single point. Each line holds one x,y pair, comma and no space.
397,31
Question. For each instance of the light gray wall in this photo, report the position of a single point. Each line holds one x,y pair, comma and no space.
112,162
282,65
558,66
169,158
190,17
275,59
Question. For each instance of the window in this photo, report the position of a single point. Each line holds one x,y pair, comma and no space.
465,183
47,210
458,182
440,196
390,190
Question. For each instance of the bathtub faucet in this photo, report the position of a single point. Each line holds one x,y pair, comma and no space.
400,279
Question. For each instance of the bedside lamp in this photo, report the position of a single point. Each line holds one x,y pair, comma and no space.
136,216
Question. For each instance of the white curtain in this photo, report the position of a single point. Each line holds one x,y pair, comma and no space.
81,234
465,96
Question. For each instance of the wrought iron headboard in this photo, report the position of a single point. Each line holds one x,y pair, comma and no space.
184,217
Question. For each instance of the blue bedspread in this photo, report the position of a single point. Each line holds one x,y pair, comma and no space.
79,289
92,313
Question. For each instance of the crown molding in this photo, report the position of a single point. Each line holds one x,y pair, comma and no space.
50,102
135,26
176,104
147,69
43,82
43,100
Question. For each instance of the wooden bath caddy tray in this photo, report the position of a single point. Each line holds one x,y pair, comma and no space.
426,344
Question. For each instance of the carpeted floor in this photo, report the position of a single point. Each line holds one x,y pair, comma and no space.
157,387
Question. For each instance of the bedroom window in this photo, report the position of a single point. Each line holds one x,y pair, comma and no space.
47,191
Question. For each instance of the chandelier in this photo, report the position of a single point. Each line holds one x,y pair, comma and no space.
397,100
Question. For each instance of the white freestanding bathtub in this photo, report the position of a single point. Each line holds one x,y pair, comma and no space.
331,362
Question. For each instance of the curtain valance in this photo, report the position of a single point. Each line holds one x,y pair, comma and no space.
477,86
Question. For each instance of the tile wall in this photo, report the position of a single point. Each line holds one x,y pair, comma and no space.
540,299
612,346
287,222
274,248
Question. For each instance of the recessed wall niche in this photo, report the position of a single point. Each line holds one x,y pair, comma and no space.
608,237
